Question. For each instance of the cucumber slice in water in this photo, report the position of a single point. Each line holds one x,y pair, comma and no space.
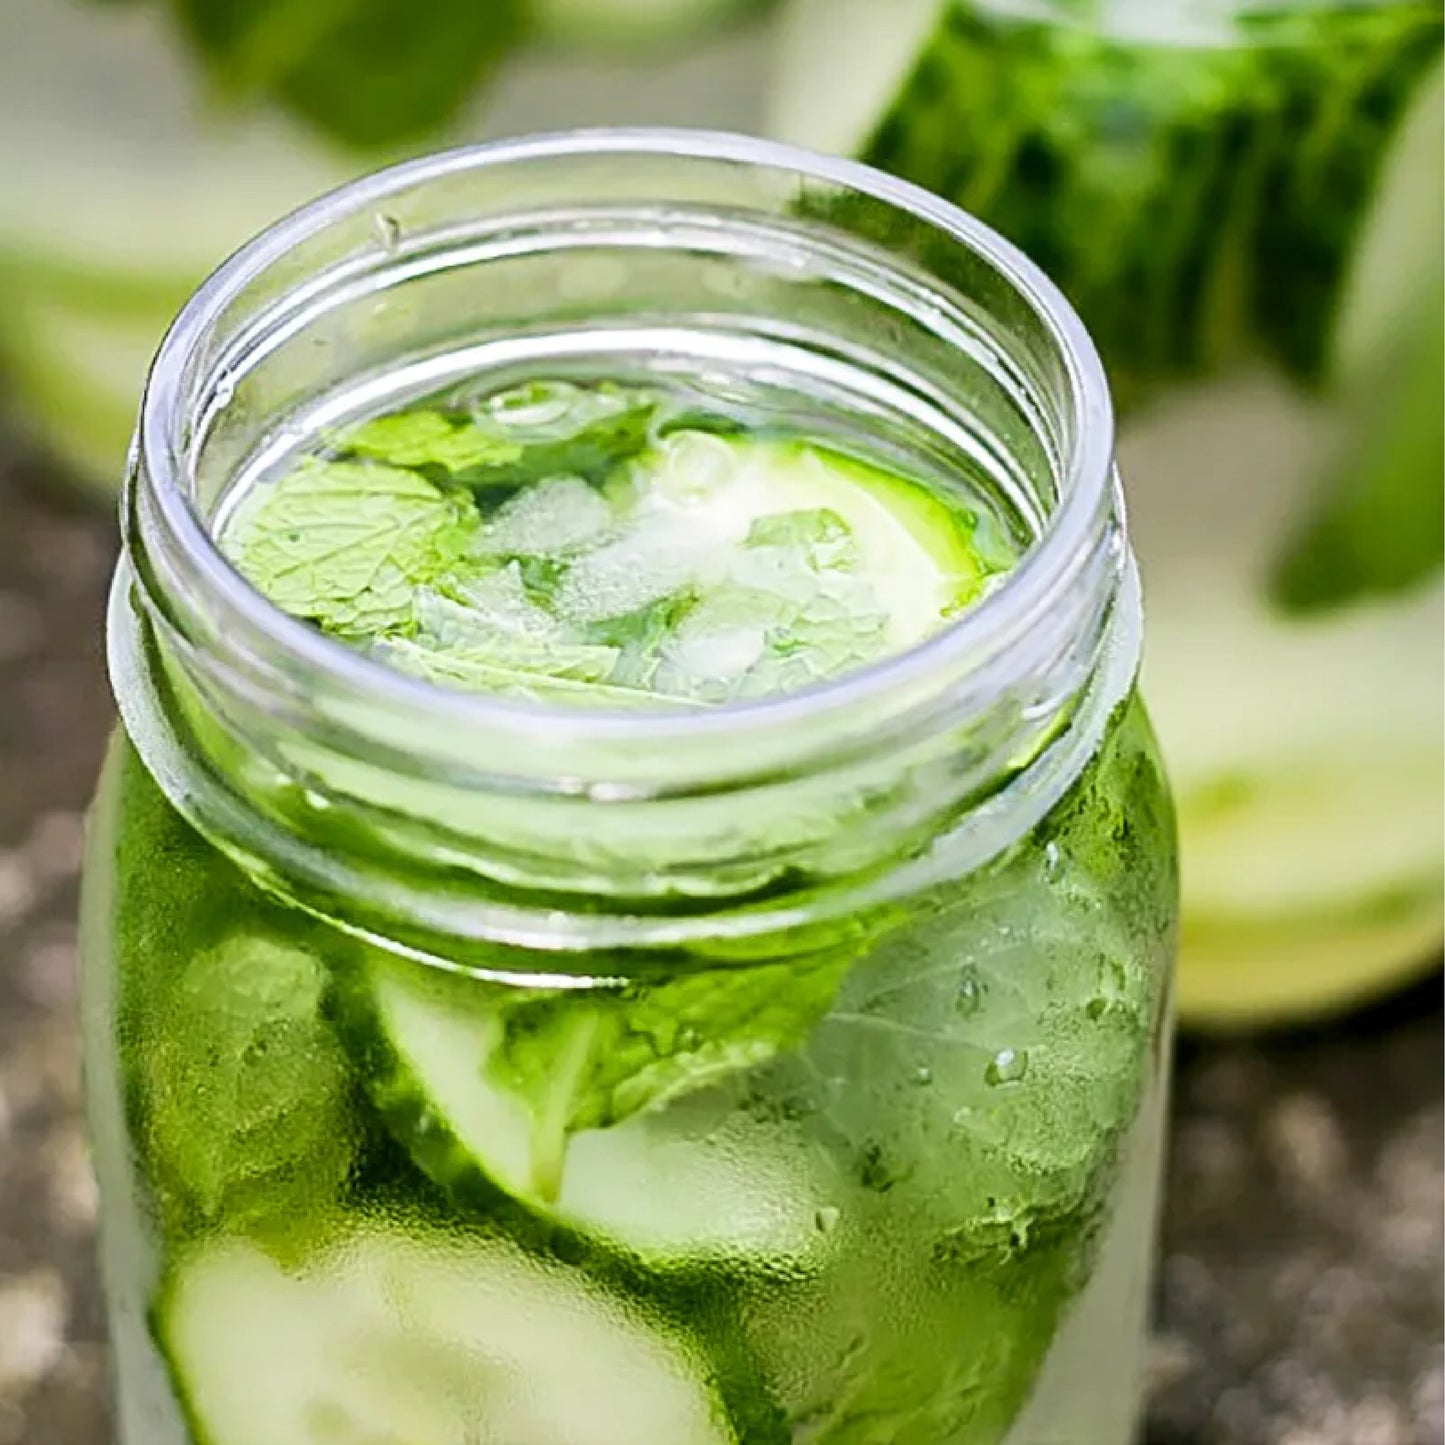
399,1337
913,551
144,188
699,1177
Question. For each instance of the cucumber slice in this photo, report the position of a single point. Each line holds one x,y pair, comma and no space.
1240,974
403,1337
916,554
145,187
1304,748
583,1143
1196,182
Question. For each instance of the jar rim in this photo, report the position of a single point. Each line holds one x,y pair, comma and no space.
1067,534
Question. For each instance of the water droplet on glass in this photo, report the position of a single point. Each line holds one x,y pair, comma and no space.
388,231
1053,859
970,993
1008,1066
826,1219
1110,988
225,392
923,1075
874,1172
963,1117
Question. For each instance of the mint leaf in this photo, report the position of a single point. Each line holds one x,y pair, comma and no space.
369,73
392,72
347,545
427,438
564,430
580,1062
543,431
639,638
791,613
242,1078
821,536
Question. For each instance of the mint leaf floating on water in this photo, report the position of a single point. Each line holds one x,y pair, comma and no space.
566,430
347,545
427,439
541,432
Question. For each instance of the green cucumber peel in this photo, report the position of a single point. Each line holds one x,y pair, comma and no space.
1197,196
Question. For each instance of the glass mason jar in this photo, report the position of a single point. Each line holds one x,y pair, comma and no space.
473,1070
1243,199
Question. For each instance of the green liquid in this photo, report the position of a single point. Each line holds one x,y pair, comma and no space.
845,1186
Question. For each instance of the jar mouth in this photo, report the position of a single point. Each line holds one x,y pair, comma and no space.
1005,619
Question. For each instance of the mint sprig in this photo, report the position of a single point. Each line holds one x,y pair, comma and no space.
347,545
367,73
591,1063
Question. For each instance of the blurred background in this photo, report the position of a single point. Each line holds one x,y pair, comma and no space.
1246,207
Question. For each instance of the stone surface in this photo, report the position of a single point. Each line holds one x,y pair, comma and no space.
1300,1289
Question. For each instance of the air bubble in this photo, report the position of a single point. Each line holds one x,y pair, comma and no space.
969,997
827,1217
1008,1066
